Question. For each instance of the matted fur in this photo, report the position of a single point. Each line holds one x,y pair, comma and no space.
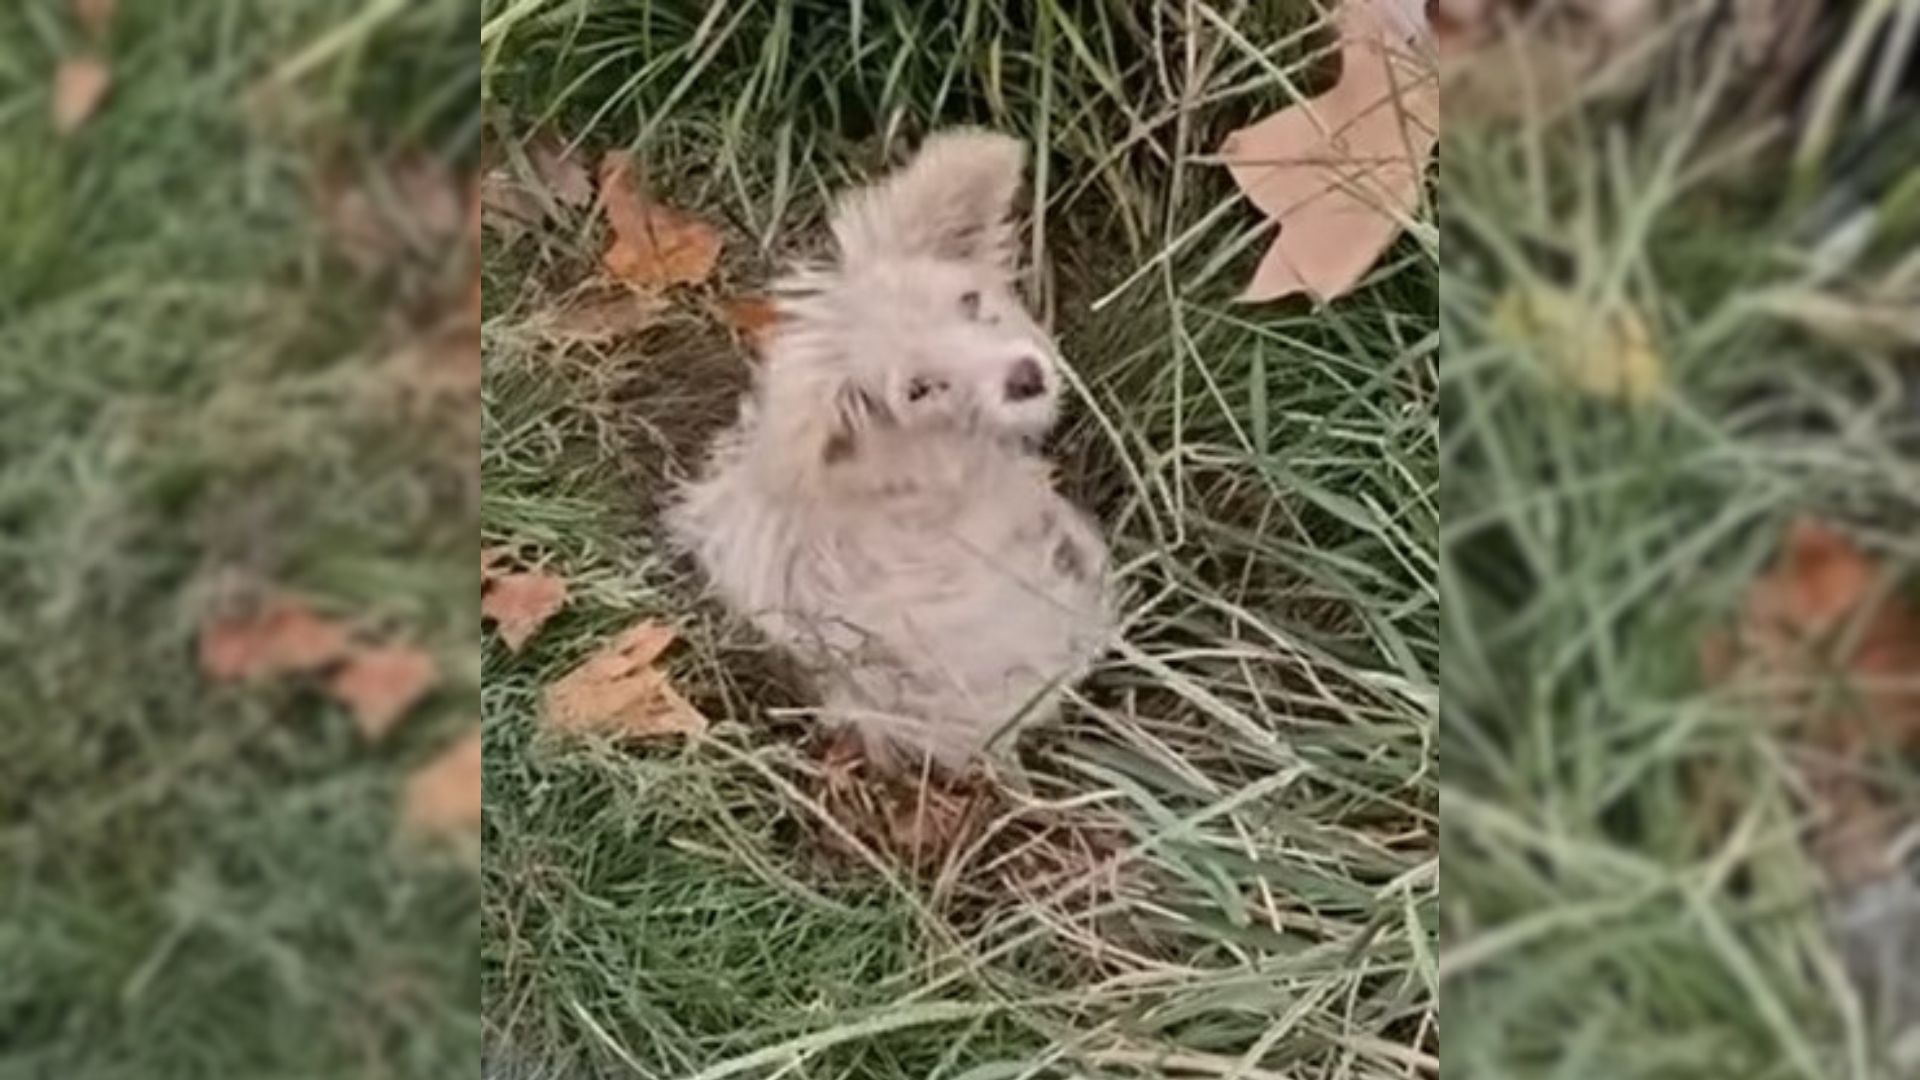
877,511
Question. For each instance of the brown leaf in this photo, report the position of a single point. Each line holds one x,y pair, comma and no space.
444,795
1339,172
95,16
1827,608
506,207
79,86
653,245
380,685
283,638
559,170
605,317
519,604
618,691
754,318
413,203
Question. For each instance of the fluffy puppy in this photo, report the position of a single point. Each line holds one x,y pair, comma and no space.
879,511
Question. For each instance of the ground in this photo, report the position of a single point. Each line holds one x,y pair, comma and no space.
1228,859
198,880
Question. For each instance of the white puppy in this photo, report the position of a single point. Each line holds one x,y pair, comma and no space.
878,511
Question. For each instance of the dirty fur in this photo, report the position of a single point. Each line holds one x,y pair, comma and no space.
878,510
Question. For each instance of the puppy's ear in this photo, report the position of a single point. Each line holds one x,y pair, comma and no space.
854,412
816,423
952,201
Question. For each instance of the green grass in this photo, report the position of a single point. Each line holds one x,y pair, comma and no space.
1264,746
1599,922
200,881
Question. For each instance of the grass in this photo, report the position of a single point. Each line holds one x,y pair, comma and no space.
1598,920
199,881
1264,748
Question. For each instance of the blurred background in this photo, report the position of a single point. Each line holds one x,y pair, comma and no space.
238,505
1680,307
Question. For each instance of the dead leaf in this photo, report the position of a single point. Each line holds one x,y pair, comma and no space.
519,604
95,16
559,170
380,685
606,316
1824,609
619,691
410,205
444,795
1609,354
754,318
653,246
1340,172
79,86
283,638
507,208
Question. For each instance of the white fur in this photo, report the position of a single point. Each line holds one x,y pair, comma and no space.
877,511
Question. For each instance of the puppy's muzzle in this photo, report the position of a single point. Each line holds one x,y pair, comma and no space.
1026,381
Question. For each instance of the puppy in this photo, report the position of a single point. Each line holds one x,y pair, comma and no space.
878,511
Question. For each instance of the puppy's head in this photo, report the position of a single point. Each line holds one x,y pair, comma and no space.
918,326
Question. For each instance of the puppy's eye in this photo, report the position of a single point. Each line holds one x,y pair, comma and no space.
970,303
922,387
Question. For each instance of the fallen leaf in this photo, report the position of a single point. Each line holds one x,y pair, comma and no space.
1609,354
559,170
1826,608
444,795
79,86
597,319
653,246
754,318
95,16
283,638
619,691
506,207
380,685
411,204
1340,172
519,604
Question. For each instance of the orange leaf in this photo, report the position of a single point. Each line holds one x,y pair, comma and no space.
618,691
519,604
653,245
79,86
284,638
380,685
1339,172
1827,607
443,795
754,318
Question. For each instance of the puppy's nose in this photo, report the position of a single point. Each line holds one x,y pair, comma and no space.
1026,381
